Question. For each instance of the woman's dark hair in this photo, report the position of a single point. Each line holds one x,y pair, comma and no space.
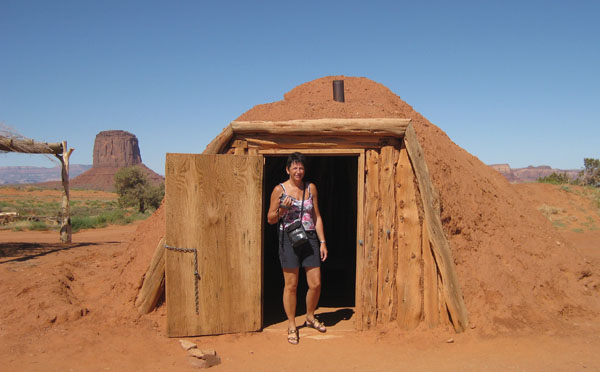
295,157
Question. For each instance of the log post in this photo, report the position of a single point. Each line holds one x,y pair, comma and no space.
388,255
409,247
154,281
371,246
430,283
65,225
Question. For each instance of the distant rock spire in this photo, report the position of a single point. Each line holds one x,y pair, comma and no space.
116,148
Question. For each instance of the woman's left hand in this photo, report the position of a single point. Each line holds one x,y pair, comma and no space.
323,251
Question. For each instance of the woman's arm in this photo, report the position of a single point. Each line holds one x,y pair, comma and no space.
318,222
275,212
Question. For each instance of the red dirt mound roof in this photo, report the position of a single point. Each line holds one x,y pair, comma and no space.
515,271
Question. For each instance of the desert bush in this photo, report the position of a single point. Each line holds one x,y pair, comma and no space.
555,178
114,217
590,175
135,191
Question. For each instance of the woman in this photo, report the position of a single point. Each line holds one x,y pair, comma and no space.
286,205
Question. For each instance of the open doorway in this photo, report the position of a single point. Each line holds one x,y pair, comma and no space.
336,180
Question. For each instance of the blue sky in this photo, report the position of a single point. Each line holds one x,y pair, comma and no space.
513,82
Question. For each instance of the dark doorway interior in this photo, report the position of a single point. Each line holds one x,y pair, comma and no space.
336,180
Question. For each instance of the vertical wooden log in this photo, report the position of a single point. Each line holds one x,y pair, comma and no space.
430,284
360,242
443,308
371,246
386,277
65,225
409,247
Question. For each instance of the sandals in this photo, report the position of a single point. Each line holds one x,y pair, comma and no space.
314,323
293,336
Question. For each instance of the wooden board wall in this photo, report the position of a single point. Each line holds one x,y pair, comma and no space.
399,277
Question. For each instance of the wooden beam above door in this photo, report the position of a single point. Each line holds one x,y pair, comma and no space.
393,127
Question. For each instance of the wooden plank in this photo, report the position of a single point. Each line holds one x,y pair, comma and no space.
269,141
217,145
360,236
370,250
203,198
441,249
387,254
240,147
378,126
154,281
430,284
409,247
252,151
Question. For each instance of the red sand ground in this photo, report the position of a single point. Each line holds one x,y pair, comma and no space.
72,309
531,289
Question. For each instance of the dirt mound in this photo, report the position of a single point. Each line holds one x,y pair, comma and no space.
515,269
139,252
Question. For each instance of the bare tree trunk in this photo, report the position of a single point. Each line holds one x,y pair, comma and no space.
65,227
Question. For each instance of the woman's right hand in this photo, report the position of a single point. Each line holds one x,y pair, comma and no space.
286,203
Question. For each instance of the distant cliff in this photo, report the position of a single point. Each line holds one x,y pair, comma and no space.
19,175
531,173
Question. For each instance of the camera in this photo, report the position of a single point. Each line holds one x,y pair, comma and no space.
281,199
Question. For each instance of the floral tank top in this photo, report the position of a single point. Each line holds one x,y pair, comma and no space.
293,213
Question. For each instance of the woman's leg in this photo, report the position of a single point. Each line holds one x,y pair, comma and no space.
290,277
313,277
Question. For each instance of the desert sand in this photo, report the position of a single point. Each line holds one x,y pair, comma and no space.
68,309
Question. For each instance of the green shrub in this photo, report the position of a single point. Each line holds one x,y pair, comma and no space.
113,217
555,178
135,191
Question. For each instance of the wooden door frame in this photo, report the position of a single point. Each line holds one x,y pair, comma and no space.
360,194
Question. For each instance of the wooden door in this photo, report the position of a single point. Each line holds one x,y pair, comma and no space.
214,225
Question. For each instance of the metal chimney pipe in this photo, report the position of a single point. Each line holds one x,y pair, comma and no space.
338,90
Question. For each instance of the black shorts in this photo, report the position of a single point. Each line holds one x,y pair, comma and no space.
306,255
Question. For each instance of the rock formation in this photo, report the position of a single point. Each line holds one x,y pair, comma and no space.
113,150
116,148
531,173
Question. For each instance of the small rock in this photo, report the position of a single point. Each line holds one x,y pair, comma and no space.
212,360
450,341
209,351
201,353
187,345
207,362
198,363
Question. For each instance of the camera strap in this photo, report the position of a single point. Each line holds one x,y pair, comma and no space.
301,212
